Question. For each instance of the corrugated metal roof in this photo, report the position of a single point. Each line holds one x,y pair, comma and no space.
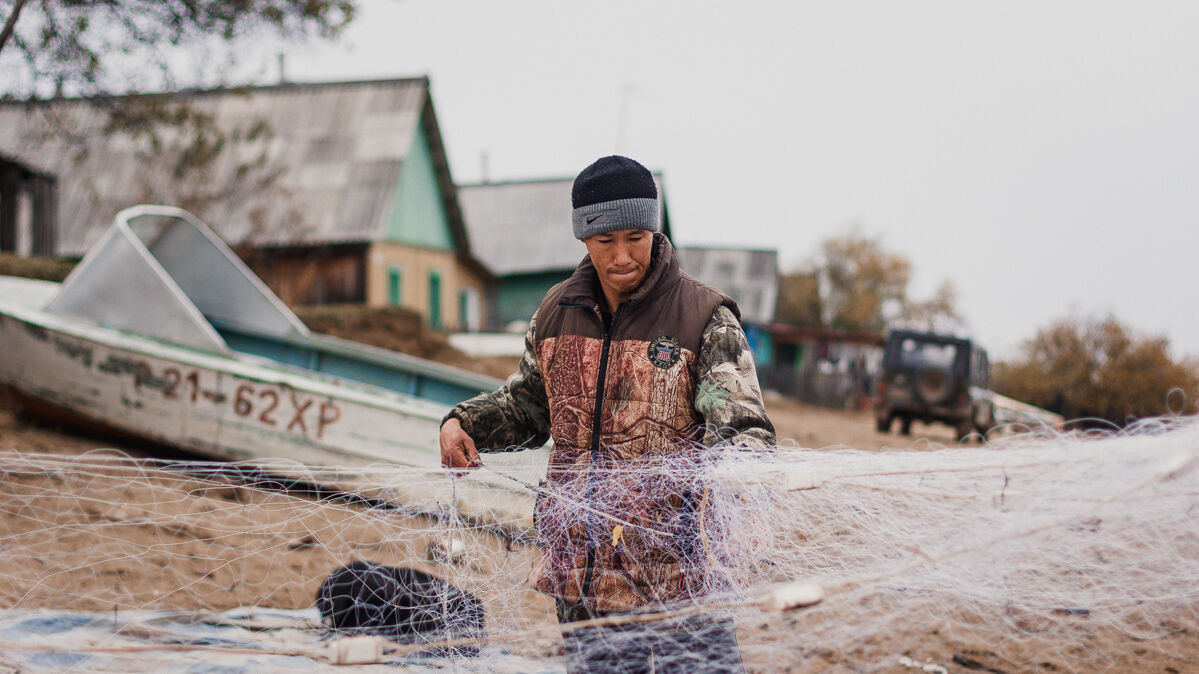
524,227
336,148
748,276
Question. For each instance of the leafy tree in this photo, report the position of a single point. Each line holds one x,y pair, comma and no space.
939,313
856,284
110,51
799,299
98,47
1099,368
863,283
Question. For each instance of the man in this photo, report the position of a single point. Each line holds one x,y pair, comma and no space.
632,367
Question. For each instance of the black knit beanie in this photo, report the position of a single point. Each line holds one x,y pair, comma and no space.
614,193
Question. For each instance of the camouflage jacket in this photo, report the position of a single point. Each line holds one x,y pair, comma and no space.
670,373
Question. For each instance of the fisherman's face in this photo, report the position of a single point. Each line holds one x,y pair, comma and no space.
621,259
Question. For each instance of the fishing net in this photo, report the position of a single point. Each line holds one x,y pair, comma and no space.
1074,550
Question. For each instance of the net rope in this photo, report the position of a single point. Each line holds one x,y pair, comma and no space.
1041,547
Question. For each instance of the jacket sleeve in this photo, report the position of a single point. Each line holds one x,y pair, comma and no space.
514,417
727,394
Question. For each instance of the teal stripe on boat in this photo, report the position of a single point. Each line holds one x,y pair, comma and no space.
362,363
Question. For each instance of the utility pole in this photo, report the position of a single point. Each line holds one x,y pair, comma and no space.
622,123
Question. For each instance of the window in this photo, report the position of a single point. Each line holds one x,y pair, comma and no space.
919,354
725,271
435,299
468,310
394,277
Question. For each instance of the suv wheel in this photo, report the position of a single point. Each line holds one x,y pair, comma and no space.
965,427
905,425
987,426
883,425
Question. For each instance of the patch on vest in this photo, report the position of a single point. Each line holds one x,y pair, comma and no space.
664,351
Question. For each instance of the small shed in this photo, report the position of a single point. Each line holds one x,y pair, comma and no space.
833,368
524,227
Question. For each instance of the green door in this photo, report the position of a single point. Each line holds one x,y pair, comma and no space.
394,276
435,299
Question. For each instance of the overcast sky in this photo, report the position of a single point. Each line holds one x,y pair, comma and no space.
1044,156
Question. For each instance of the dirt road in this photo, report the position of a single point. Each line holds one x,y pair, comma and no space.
818,427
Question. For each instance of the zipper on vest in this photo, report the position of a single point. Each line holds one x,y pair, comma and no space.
609,327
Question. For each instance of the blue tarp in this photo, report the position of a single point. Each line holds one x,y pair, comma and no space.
246,640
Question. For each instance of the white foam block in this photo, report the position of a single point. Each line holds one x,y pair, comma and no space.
792,596
356,650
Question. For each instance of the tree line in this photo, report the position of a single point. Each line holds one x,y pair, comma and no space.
855,284
1100,369
1084,368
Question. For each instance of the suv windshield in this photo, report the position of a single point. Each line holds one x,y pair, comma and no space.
915,353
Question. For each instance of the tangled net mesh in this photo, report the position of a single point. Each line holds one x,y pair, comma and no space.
1062,548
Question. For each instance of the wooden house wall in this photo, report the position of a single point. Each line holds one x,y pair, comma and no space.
414,268
317,275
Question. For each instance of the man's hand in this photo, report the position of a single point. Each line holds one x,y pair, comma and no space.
457,449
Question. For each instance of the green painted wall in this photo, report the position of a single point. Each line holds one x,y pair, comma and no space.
418,214
761,344
517,297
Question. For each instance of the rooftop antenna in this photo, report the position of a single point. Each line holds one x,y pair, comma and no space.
623,121
282,68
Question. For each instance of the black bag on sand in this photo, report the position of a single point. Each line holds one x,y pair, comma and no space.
403,604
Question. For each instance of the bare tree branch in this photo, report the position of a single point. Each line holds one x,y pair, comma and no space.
11,23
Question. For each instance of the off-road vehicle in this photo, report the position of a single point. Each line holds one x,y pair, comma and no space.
933,377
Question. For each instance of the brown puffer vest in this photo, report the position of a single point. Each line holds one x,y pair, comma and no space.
619,521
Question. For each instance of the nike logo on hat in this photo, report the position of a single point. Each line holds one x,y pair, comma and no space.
593,218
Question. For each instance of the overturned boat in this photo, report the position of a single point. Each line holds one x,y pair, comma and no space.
163,333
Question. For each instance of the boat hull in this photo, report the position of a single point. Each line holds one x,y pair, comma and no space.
248,410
